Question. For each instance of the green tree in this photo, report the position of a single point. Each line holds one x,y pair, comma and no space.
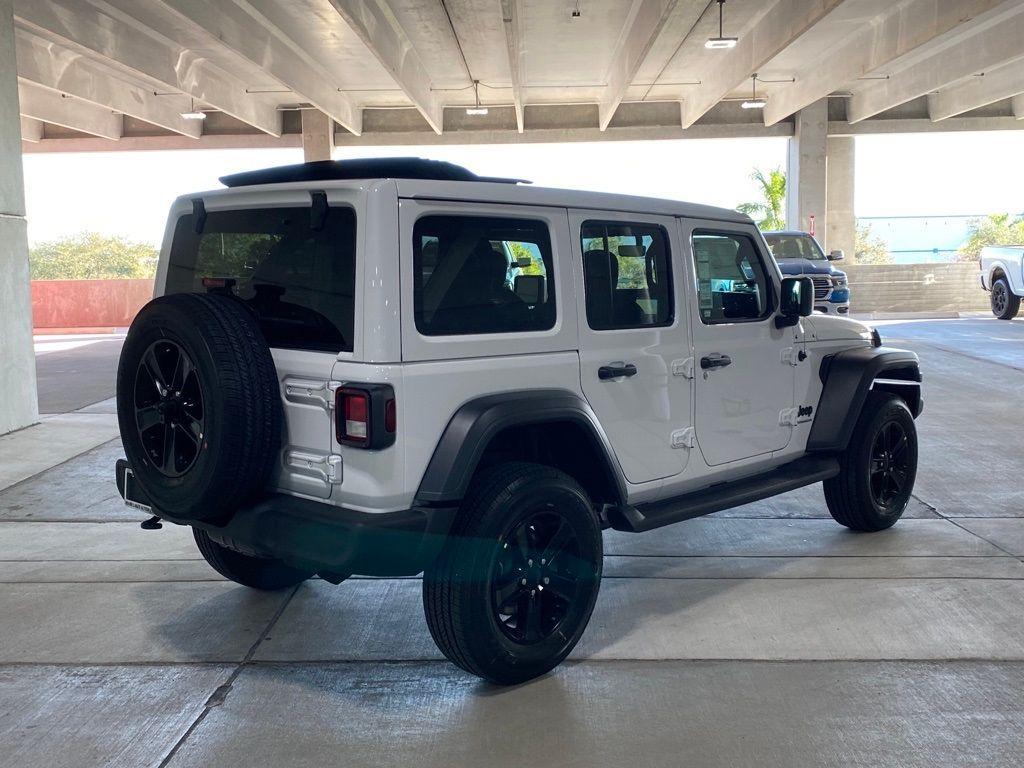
768,212
869,248
91,256
997,229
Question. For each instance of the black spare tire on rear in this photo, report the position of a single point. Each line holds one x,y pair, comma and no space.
198,405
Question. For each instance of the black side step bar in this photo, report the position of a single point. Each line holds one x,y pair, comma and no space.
804,471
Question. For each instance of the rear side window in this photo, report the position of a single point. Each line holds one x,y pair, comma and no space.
626,272
482,275
732,285
298,280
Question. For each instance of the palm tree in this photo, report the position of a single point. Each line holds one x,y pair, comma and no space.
769,212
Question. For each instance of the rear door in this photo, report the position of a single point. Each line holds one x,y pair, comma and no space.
745,376
634,338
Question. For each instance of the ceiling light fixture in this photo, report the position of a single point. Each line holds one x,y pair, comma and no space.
477,110
754,102
193,113
721,42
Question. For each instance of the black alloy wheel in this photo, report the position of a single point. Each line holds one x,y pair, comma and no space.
514,586
168,402
1000,298
533,584
878,468
890,464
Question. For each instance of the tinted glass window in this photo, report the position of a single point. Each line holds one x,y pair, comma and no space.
731,281
794,247
626,273
482,275
299,281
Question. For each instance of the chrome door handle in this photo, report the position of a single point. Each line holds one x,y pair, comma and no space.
616,371
715,360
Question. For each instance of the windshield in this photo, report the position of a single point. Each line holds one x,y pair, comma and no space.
795,247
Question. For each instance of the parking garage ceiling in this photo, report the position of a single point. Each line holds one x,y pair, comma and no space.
127,74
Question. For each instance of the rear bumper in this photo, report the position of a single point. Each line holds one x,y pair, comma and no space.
324,538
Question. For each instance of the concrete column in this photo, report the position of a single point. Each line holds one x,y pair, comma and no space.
317,135
842,224
18,404
806,177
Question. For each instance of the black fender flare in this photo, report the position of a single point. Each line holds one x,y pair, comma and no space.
848,376
478,421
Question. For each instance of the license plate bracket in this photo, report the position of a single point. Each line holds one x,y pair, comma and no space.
129,488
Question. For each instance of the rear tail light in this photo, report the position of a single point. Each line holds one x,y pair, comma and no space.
366,416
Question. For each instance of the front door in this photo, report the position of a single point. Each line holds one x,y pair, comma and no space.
634,338
744,376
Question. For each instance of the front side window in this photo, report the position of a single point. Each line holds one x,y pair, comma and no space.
297,275
474,274
626,274
732,285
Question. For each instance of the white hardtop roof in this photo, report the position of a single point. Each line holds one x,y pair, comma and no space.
491,192
528,194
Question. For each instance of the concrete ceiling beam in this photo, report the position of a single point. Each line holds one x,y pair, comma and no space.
245,31
905,29
52,107
142,53
993,45
995,85
512,17
381,32
1018,107
54,66
783,24
645,22
31,129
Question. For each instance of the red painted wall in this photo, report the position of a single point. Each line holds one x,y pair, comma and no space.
88,303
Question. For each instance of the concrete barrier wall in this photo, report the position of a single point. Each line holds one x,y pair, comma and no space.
915,287
88,303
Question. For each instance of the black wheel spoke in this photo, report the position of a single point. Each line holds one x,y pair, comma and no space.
556,544
192,438
193,425
561,585
532,630
147,417
152,366
901,446
182,372
522,539
503,595
168,462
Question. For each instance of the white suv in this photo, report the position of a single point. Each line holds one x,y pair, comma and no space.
385,367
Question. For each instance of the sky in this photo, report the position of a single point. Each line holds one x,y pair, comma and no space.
128,193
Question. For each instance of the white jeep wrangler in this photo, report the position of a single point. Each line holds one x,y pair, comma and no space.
385,367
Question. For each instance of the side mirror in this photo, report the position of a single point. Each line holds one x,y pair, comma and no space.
836,255
797,301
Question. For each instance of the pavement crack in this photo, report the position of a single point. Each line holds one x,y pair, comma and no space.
221,692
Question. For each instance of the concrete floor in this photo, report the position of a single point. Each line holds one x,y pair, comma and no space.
765,636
